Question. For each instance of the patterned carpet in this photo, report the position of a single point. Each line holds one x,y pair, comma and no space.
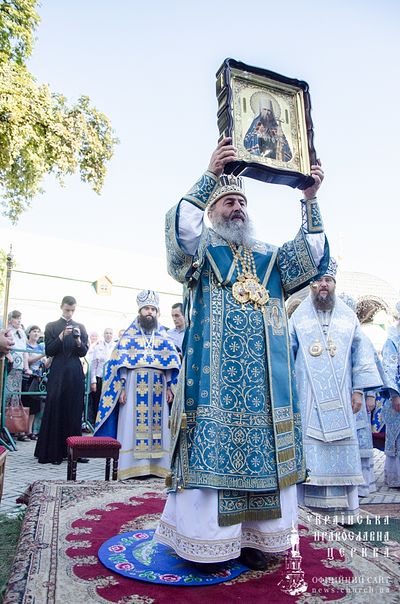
66,523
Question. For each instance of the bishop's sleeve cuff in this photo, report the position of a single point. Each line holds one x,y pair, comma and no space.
311,216
201,192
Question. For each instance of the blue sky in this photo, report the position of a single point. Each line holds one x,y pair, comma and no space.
150,66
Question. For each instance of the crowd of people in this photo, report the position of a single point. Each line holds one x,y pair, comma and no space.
245,412
47,373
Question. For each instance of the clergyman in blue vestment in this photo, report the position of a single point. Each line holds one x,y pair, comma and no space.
265,136
138,384
335,366
391,409
235,423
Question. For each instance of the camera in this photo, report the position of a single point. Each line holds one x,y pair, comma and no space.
76,332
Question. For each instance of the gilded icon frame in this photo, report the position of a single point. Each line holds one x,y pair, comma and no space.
268,117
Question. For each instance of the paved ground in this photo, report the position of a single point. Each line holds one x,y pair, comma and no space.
22,469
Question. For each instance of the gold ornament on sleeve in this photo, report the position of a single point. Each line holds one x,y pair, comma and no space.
247,288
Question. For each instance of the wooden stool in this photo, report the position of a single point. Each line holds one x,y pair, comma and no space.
96,447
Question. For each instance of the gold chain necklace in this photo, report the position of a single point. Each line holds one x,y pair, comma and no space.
247,288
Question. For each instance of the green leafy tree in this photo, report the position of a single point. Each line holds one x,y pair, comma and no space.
40,133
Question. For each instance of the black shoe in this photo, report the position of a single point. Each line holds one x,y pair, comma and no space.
82,460
56,463
23,438
208,568
253,558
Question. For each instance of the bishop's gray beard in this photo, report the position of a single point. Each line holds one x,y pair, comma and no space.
323,303
234,231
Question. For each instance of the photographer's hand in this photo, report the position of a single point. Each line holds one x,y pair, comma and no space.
67,331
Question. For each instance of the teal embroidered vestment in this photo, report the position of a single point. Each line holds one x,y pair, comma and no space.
235,422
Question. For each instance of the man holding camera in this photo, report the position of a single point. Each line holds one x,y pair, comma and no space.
66,342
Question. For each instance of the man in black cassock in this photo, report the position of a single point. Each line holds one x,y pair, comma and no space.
65,341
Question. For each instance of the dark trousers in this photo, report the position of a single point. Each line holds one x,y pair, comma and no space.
94,399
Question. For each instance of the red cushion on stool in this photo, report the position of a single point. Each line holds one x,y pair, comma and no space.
91,442
95,447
